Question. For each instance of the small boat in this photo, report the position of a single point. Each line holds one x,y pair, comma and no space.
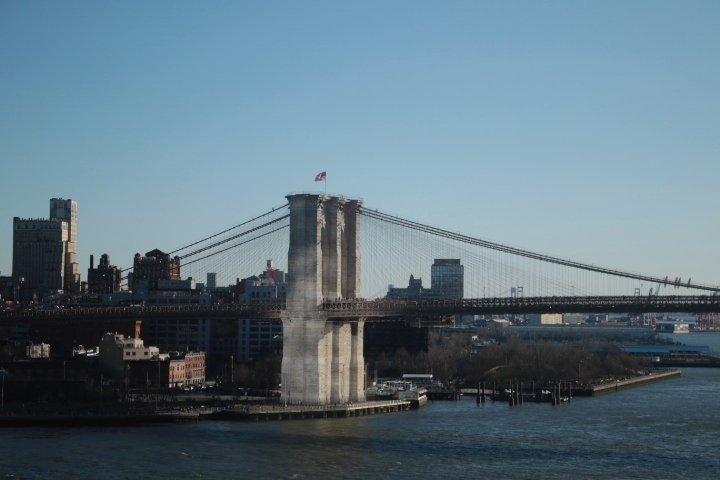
417,396
380,394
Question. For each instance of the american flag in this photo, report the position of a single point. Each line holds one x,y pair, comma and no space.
320,177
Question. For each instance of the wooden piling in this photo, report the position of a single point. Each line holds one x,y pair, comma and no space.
520,393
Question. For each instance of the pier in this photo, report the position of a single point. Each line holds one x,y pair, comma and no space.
652,377
556,393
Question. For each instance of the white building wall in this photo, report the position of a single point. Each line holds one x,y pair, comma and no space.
545,319
116,349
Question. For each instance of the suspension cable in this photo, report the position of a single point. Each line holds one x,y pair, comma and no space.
223,241
233,237
231,228
375,214
237,244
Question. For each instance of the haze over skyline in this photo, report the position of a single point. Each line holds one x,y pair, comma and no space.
585,131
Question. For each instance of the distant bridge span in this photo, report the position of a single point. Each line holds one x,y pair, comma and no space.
228,310
383,310
521,305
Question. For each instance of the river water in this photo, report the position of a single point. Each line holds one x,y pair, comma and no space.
669,429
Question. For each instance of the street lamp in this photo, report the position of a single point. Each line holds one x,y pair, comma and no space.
342,389
158,384
232,376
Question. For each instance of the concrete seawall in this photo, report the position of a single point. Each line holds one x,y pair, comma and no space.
279,412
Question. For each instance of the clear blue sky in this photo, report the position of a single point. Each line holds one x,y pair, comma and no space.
586,130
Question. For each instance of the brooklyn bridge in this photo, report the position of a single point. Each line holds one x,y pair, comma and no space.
341,256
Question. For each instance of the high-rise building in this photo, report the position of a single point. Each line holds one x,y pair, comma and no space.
180,333
154,266
414,291
66,210
447,278
44,251
104,279
256,336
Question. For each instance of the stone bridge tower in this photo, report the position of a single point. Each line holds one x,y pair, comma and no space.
322,358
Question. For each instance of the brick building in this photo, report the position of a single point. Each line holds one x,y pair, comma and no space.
105,278
155,265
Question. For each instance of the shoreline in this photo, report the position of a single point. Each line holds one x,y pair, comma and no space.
239,413
272,412
79,420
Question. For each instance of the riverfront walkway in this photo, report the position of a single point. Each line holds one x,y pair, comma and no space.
297,412
191,414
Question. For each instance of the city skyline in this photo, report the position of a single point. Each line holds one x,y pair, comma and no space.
588,132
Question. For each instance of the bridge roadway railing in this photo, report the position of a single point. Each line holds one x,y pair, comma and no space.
224,310
521,305
389,309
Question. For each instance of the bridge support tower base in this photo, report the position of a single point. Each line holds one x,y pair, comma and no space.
323,359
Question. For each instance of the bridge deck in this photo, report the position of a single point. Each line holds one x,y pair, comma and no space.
382,309
523,305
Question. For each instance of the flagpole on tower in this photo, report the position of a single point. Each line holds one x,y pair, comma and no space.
322,177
